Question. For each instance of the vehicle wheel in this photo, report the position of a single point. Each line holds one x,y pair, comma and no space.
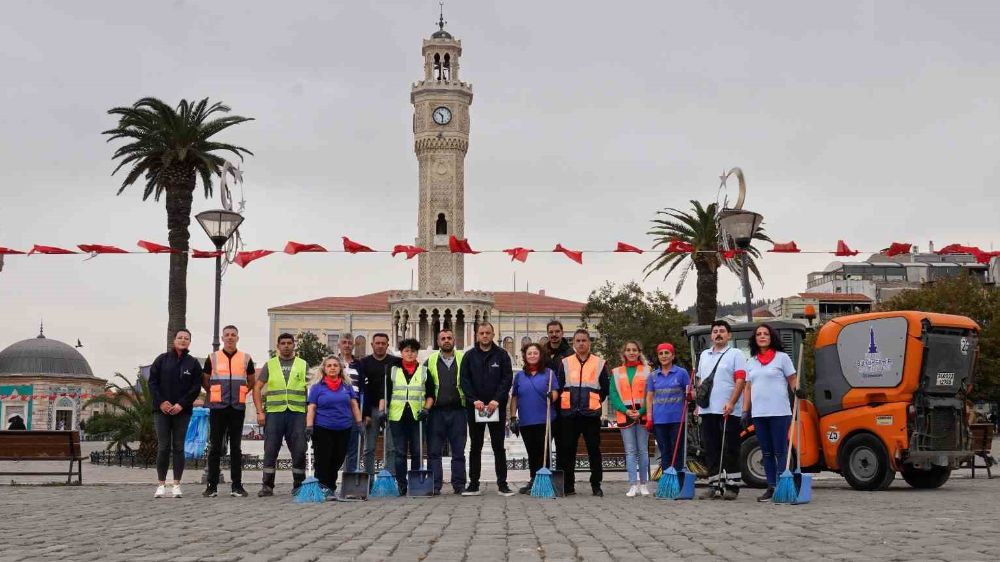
890,475
864,462
752,463
926,479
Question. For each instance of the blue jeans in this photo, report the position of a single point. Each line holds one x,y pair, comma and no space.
636,440
772,434
351,461
667,435
447,425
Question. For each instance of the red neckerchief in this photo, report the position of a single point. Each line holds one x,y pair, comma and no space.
633,363
531,369
409,367
332,383
766,356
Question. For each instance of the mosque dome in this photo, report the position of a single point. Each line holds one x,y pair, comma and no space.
43,356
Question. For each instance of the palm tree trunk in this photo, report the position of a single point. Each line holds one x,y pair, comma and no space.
180,184
707,303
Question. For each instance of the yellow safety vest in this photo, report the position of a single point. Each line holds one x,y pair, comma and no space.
432,367
282,397
412,393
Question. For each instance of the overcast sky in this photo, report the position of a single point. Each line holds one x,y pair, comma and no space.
869,121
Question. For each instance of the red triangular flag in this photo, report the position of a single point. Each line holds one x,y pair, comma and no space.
843,250
678,247
985,257
623,247
36,249
575,256
352,247
244,258
897,248
959,249
8,251
100,249
786,248
730,254
205,254
410,251
154,248
294,248
459,246
520,254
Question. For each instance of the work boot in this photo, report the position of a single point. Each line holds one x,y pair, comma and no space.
596,489
238,491
526,489
767,495
504,490
265,492
472,489
211,491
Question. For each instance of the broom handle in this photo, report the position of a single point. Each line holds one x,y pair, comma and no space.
798,425
678,440
548,422
361,436
795,415
385,434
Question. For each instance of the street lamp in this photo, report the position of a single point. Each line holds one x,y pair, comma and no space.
219,225
741,225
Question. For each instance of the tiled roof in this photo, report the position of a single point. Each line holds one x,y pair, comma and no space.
507,301
837,297
504,301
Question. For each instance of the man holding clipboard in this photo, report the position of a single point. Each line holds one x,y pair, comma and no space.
486,379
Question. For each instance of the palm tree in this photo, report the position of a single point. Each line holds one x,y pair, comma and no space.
172,148
129,418
697,244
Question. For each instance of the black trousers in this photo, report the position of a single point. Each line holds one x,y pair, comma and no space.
170,433
711,436
222,421
570,430
534,443
406,438
329,450
477,437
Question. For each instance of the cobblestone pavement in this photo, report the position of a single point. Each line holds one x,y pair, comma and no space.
124,522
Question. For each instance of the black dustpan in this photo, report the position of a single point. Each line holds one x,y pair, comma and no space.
420,483
355,485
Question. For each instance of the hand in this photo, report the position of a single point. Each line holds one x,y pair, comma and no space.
633,414
260,419
309,434
690,394
175,409
800,393
491,407
514,425
165,407
360,424
367,422
478,404
649,423
746,419
727,409
422,414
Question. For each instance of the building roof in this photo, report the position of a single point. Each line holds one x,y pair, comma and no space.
43,356
837,297
504,301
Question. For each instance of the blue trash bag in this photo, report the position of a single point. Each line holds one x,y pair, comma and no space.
197,434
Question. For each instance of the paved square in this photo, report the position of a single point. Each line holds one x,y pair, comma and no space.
124,522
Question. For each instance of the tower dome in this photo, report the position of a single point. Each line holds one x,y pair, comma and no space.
43,356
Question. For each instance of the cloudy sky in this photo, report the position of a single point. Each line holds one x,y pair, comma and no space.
868,121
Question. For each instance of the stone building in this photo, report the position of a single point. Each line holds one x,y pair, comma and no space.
46,382
441,124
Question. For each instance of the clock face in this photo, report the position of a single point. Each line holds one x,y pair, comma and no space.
442,115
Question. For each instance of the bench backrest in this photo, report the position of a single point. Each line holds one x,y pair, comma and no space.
43,445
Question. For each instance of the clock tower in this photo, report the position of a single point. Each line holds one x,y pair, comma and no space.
440,139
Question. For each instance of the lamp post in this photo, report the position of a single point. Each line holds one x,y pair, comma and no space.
741,225
219,225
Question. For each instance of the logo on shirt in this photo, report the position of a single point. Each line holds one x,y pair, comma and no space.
186,372
495,366
873,365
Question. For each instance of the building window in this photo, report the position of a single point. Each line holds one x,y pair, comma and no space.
332,340
360,346
441,227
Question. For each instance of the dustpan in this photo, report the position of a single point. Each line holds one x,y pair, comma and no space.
685,477
355,485
803,482
420,483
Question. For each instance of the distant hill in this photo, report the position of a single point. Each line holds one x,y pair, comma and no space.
728,308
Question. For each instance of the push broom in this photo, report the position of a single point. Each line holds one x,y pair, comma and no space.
385,483
785,492
542,486
310,491
669,487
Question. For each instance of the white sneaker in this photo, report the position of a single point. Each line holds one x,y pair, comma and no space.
176,491
643,490
632,491
161,491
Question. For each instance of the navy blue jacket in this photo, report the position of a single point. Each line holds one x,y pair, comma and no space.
176,379
486,375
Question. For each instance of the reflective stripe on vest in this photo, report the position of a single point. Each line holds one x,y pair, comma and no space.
633,395
227,385
412,393
432,368
282,397
583,387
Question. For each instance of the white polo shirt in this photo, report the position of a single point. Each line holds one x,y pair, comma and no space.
769,386
724,384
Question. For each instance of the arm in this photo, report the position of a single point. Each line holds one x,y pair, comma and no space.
258,386
310,415
604,379
195,389
615,401
506,379
251,373
154,385
556,387
512,412
649,400
206,374
383,404
429,392
467,388
356,410
747,402
739,382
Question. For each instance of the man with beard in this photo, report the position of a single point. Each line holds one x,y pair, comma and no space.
447,416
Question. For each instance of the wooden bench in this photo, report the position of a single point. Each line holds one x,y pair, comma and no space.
982,443
43,446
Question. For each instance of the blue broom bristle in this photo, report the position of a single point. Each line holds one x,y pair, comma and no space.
669,486
785,491
542,486
310,492
385,486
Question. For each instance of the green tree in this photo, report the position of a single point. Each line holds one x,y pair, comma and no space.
965,296
699,229
171,148
628,312
128,417
310,349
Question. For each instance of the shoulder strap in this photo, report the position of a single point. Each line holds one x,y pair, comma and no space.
712,374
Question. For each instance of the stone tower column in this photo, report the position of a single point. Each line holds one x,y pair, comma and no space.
441,138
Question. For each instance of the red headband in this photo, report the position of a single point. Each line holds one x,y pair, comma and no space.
668,346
